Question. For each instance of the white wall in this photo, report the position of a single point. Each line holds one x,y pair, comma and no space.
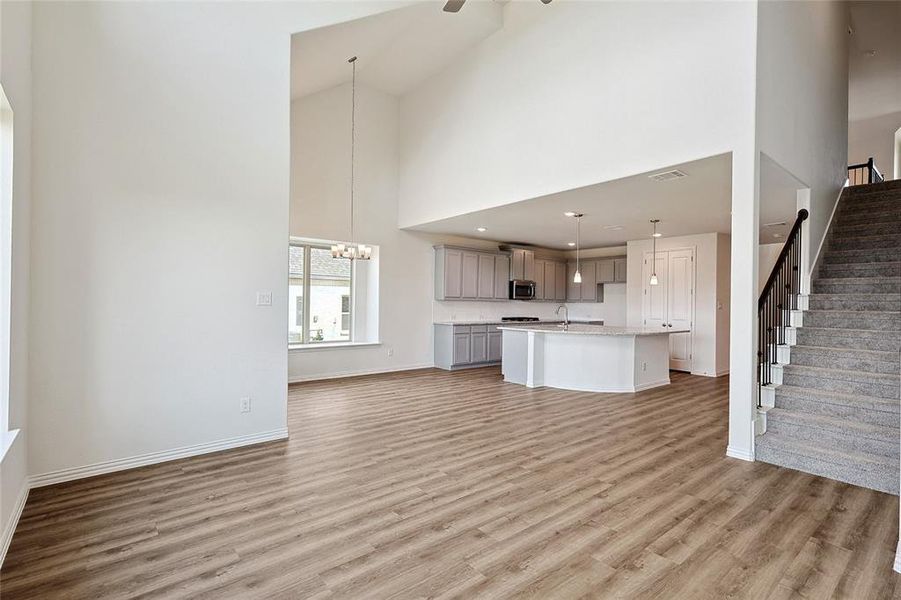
802,98
15,76
768,255
874,137
160,205
710,338
572,94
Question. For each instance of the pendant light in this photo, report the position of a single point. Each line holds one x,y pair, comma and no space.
577,278
352,251
654,236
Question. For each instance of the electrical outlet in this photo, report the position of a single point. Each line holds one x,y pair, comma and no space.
644,366
245,405
264,298
390,351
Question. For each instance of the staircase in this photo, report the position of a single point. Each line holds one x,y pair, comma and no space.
836,412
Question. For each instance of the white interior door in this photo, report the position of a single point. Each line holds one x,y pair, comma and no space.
680,306
653,307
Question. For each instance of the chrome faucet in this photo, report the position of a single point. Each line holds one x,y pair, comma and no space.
565,316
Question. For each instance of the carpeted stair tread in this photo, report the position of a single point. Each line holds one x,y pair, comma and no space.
864,302
878,361
859,401
857,468
867,430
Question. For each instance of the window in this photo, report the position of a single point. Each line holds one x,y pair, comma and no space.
320,289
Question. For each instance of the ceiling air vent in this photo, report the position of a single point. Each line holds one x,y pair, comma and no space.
667,175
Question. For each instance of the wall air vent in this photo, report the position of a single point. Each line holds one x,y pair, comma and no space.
667,175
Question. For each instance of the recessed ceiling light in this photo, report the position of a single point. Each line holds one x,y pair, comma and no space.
569,213
481,229
657,234
570,243
869,53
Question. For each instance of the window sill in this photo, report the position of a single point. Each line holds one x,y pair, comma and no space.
6,441
330,346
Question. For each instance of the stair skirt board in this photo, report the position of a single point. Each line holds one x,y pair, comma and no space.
833,408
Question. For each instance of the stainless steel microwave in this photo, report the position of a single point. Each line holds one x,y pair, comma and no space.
522,289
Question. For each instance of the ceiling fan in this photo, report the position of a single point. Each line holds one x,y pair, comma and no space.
453,6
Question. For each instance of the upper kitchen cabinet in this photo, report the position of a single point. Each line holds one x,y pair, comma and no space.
467,274
619,270
605,271
550,280
523,264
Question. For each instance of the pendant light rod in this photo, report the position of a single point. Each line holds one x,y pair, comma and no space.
353,138
654,236
577,276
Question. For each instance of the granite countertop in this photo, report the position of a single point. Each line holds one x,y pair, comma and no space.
548,322
582,329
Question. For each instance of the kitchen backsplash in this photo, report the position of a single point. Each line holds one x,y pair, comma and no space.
613,313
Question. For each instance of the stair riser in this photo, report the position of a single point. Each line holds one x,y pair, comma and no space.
865,215
882,479
883,341
841,287
833,257
875,202
842,386
853,320
866,242
835,440
835,360
838,303
850,413
892,186
885,269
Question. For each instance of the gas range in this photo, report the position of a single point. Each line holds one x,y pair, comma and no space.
519,319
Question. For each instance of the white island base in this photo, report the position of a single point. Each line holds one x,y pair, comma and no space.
586,357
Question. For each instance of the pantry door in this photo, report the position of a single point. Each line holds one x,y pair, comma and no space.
680,306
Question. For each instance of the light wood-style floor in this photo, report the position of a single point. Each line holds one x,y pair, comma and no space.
430,484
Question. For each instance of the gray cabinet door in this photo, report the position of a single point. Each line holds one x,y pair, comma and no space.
470,275
529,265
479,348
589,282
518,267
539,279
486,276
453,273
550,280
501,277
605,271
573,290
560,270
619,270
495,348
462,350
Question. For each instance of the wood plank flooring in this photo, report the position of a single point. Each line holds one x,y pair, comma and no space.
430,484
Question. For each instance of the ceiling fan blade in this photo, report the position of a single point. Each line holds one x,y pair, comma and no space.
453,6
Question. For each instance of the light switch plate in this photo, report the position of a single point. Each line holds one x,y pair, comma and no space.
264,298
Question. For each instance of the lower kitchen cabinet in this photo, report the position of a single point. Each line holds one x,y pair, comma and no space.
465,346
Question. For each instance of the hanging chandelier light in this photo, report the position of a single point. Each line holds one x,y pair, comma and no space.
352,251
577,278
654,236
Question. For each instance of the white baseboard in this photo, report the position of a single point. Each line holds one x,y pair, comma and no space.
649,385
898,558
356,373
120,464
740,454
10,528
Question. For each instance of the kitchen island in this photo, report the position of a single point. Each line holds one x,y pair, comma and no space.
590,358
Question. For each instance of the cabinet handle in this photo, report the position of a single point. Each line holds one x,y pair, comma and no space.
663,324
670,325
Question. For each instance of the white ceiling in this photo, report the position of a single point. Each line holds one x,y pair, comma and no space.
396,50
875,81
699,203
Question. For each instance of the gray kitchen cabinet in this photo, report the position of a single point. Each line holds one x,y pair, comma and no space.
619,270
462,348
467,346
448,273
470,275
539,279
589,282
486,276
495,348
478,347
560,278
523,266
550,280
501,277
573,290
605,271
